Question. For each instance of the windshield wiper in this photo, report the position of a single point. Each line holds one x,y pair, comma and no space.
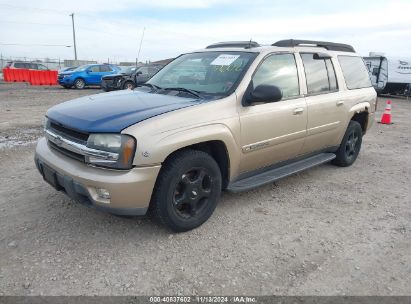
192,92
153,86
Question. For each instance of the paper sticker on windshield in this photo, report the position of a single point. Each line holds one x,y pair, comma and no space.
224,59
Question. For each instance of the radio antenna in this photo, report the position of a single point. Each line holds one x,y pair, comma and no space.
249,44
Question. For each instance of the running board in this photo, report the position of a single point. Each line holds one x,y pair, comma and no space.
272,175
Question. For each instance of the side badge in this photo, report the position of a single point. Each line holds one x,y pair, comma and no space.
145,154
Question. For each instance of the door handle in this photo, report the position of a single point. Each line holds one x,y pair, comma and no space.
298,111
340,102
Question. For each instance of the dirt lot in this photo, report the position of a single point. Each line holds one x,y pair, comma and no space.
326,231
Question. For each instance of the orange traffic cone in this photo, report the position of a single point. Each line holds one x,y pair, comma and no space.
386,117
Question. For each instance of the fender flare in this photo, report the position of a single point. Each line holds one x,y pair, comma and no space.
172,142
359,107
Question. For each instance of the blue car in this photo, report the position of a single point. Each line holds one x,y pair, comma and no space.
85,75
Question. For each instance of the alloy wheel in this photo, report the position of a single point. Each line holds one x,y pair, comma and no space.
192,192
352,144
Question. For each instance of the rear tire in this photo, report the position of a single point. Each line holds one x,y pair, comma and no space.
79,84
187,190
350,145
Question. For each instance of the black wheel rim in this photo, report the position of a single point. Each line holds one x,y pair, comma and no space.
352,145
192,193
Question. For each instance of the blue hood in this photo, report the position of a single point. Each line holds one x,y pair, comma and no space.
115,111
66,73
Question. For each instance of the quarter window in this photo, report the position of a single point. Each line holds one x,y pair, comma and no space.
279,70
319,74
355,73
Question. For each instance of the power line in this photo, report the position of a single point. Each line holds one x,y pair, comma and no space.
44,10
29,44
95,16
33,8
34,23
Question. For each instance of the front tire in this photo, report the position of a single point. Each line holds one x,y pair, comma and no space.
350,145
79,84
128,85
187,190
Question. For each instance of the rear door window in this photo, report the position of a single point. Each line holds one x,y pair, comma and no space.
20,65
355,72
95,69
319,74
105,68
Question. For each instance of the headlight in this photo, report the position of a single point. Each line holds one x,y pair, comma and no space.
121,150
66,76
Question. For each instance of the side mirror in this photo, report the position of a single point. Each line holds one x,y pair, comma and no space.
88,71
264,93
139,73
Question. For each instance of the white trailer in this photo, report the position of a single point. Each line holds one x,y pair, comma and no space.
389,75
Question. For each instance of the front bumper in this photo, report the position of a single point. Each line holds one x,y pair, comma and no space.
111,84
130,191
65,81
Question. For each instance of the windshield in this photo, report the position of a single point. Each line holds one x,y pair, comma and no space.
130,70
81,68
126,69
207,72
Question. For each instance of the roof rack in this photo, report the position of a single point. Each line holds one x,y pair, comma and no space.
227,44
327,45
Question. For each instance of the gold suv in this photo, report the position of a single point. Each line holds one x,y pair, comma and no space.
234,116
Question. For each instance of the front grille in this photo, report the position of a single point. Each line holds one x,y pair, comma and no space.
68,133
66,152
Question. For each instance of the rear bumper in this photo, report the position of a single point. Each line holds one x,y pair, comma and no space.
130,191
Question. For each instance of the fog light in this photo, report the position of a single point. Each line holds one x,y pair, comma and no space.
103,193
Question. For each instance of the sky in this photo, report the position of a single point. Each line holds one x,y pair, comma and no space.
112,30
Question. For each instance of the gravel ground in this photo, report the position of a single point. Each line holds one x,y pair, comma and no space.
326,231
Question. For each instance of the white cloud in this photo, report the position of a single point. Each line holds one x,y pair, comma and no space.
378,28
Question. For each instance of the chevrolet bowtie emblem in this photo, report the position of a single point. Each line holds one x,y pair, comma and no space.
58,140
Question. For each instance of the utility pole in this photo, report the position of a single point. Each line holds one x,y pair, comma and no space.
139,49
74,36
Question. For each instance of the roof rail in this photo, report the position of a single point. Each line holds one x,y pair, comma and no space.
227,44
327,45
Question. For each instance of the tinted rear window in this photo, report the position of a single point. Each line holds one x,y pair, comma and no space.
319,73
355,73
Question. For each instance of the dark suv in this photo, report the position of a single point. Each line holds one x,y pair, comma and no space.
129,78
